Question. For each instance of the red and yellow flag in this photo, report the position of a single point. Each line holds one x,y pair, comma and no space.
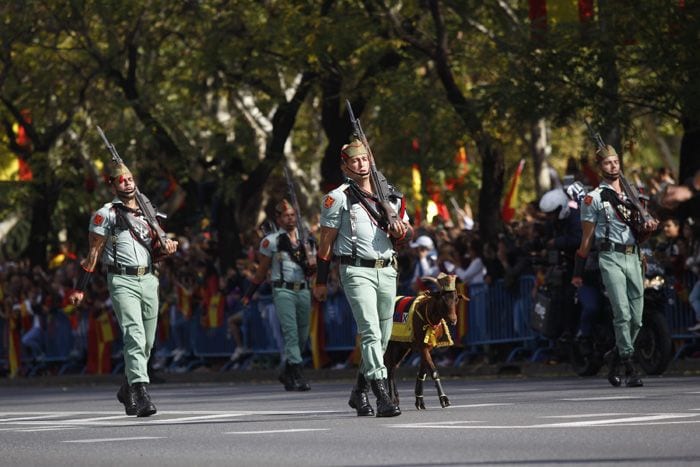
184,301
417,187
14,349
214,311
317,335
510,203
462,315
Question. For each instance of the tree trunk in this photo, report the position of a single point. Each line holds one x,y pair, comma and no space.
493,168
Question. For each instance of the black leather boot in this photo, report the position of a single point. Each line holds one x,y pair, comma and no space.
359,399
144,406
613,361
287,378
632,378
126,396
385,407
300,383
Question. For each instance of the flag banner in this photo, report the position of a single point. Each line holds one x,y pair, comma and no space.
462,315
417,187
14,349
317,335
510,203
184,301
214,311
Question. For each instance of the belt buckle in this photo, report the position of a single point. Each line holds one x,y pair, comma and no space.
629,249
296,286
379,263
141,270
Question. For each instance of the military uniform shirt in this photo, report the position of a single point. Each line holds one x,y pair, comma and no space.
283,266
130,252
602,213
372,242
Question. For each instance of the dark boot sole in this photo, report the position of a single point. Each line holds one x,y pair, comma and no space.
147,412
393,413
361,412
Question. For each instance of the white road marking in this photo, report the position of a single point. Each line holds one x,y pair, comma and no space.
602,398
587,415
45,428
659,419
109,440
475,405
265,432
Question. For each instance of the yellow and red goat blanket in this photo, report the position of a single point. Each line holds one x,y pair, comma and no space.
436,335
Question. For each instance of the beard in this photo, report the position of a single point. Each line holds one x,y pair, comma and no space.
611,176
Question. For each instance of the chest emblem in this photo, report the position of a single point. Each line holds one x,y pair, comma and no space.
98,220
588,199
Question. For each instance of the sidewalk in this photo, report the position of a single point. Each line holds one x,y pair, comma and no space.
519,370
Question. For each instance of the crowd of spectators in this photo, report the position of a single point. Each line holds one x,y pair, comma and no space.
192,283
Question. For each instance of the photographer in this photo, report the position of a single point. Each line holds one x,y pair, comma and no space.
564,216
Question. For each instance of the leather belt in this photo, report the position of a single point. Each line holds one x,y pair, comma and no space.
295,286
367,263
618,247
130,270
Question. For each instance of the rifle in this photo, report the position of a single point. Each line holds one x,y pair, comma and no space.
309,250
145,205
378,180
630,190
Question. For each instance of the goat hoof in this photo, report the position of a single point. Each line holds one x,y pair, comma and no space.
420,405
444,401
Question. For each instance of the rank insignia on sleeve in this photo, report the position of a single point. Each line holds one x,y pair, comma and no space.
588,199
265,243
98,219
328,202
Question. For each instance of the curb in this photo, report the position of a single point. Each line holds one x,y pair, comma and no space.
203,375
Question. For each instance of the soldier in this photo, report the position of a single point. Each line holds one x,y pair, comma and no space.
120,236
350,231
607,218
283,252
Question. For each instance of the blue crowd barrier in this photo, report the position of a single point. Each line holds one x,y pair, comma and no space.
680,316
499,315
339,324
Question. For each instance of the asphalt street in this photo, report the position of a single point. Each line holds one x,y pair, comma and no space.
501,421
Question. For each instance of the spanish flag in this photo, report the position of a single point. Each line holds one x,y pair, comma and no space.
317,335
184,301
100,335
511,201
214,311
462,315
417,187
14,349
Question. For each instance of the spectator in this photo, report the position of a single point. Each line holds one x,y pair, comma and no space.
475,272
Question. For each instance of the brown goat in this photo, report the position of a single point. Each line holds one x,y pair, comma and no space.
420,324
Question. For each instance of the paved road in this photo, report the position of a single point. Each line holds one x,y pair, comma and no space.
491,422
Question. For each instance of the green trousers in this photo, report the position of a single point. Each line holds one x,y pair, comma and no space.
622,276
135,302
294,314
371,293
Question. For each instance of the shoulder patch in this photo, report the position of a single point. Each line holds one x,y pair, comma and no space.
98,219
265,243
588,199
328,201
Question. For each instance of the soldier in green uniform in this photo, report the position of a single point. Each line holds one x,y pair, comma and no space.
353,233
120,236
282,252
607,218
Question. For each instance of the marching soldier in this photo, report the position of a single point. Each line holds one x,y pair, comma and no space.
352,231
283,252
607,218
121,237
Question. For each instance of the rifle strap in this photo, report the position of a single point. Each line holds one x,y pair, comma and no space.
624,210
143,236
